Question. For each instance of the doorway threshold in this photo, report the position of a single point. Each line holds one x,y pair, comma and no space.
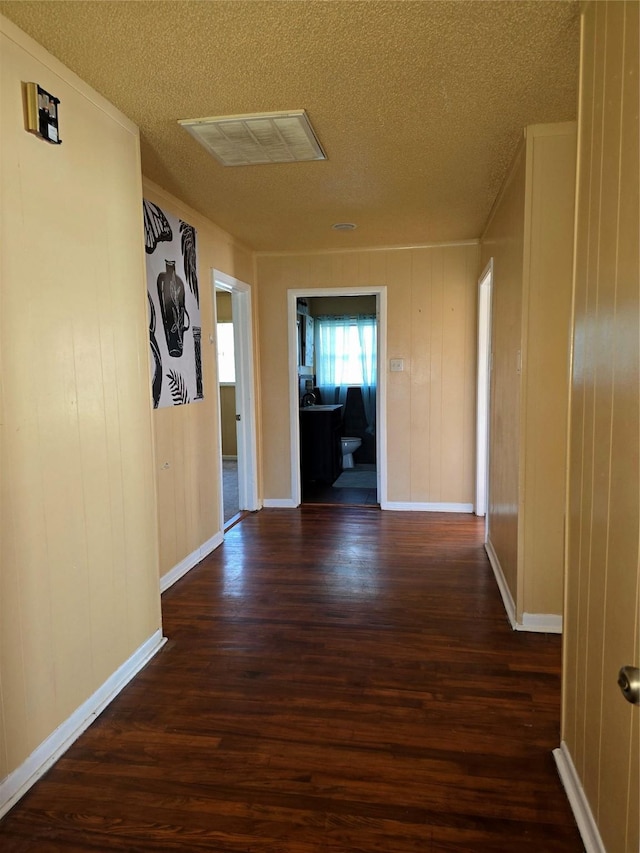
235,519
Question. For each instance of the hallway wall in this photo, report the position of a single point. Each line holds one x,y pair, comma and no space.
530,239
79,552
187,449
431,325
600,730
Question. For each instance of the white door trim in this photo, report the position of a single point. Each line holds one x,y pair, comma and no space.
245,389
483,391
380,292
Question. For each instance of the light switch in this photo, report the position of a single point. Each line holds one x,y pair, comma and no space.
396,365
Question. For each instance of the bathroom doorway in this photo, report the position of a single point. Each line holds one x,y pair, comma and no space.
234,342
337,343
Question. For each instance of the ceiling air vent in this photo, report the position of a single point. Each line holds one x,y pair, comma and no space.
247,140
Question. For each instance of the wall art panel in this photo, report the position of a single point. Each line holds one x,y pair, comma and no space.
174,308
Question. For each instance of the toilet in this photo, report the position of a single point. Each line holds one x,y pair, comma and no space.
349,445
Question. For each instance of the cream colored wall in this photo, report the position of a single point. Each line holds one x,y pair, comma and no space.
79,587
431,324
224,309
600,729
548,263
503,241
530,237
228,420
187,459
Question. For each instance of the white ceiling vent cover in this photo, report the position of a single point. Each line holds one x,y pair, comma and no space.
247,140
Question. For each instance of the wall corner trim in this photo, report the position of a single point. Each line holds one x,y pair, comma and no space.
505,592
17,783
189,562
542,623
411,506
279,503
578,800
537,623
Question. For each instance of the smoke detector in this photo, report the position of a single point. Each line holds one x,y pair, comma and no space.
246,140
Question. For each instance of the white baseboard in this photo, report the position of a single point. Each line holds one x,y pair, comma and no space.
17,783
505,592
189,562
409,506
578,800
541,623
279,503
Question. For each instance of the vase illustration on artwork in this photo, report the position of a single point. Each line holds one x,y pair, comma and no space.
175,317
156,385
197,346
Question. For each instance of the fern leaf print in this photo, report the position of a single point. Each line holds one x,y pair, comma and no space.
188,242
178,387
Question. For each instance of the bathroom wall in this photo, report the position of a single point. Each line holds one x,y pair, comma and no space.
335,306
430,413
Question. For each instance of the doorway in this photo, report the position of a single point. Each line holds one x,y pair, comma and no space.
236,398
483,392
351,405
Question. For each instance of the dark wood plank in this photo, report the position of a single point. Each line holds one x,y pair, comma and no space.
336,680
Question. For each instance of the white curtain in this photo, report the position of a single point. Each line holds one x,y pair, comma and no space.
346,356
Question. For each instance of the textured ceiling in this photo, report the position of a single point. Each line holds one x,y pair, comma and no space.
419,105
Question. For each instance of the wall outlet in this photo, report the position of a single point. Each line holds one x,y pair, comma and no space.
396,365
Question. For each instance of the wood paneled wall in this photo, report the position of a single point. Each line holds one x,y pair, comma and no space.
228,420
431,325
601,730
187,440
79,589
530,237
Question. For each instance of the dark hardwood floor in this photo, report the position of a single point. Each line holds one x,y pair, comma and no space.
336,680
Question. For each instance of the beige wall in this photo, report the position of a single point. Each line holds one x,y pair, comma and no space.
224,309
600,729
548,264
187,438
228,420
79,556
431,295
530,237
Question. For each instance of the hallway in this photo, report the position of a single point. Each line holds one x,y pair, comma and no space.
336,680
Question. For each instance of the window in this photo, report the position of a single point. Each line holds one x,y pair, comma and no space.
346,351
226,354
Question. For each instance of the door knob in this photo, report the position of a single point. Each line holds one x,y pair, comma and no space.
629,683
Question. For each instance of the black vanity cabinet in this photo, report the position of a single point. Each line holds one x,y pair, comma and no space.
320,448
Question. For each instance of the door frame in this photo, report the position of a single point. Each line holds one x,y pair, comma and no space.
380,292
242,315
483,393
